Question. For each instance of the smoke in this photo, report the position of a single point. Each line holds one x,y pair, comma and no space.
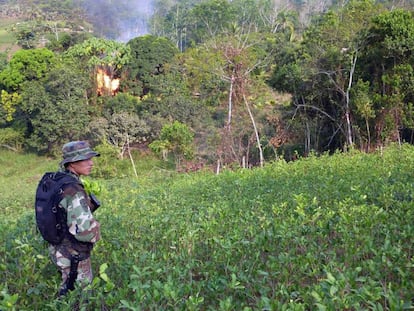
119,20
137,24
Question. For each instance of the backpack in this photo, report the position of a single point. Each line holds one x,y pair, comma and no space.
50,216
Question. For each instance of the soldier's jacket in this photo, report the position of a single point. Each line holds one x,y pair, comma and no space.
82,225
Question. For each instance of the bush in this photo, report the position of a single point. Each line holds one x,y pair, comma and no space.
11,139
321,233
106,165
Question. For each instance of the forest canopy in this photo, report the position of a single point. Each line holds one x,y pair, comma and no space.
231,82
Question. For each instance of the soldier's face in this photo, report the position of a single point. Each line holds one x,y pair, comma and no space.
83,167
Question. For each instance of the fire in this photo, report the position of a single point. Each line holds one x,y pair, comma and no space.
106,84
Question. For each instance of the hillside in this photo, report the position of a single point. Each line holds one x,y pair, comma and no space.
321,233
239,91
7,40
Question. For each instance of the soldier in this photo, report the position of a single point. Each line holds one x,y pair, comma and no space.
72,255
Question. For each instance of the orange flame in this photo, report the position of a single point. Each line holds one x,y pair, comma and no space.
105,83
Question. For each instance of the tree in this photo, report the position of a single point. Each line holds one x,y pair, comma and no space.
171,19
389,61
8,105
27,65
120,130
208,19
336,39
175,138
3,60
67,40
234,62
149,55
55,110
25,34
121,102
171,100
322,71
363,102
103,61
100,52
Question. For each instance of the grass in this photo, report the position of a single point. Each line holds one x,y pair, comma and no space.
7,39
19,175
322,233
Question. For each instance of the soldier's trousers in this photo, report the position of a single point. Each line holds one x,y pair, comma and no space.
61,258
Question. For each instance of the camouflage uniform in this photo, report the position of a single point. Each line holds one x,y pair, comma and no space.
83,228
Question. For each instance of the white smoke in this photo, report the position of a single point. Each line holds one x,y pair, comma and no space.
138,24
121,20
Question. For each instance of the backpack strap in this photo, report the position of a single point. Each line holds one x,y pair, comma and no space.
50,219
63,179
66,180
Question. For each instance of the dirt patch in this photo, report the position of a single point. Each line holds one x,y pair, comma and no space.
7,40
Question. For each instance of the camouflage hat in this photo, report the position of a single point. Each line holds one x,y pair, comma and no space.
77,151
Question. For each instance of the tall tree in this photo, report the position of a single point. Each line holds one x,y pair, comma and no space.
149,55
234,62
388,66
55,110
175,138
103,60
325,71
26,65
170,20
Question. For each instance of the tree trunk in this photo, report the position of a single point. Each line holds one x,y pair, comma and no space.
230,102
259,146
130,157
347,100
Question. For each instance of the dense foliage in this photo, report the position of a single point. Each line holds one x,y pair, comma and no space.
321,233
252,80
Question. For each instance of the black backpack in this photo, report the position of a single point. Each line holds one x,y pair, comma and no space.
50,217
